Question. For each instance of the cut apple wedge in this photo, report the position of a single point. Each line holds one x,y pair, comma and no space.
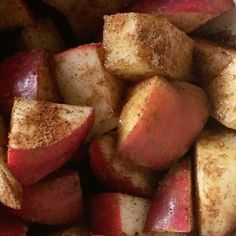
215,66
10,225
10,189
14,13
26,74
171,207
186,15
54,200
84,81
136,51
43,34
117,214
119,174
160,121
215,181
43,136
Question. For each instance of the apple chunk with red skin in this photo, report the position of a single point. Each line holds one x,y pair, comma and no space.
116,214
171,207
43,136
117,173
56,199
186,15
160,121
26,74
10,225
83,80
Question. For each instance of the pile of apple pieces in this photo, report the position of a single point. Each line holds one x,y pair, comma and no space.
162,117
85,19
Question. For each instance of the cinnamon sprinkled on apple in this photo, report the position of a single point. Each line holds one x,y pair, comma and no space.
39,123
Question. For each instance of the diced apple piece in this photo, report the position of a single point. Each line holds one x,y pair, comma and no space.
3,132
43,136
171,207
83,80
117,173
14,13
10,189
10,225
215,181
216,66
43,34
134,50
160,121
26,74
54,200
186,15
116,214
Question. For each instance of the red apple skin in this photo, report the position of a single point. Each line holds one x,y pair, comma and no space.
168,122
196,11
121,181
28,170
57,199
10,225
171,207
21,76
206,6
98,216
117,214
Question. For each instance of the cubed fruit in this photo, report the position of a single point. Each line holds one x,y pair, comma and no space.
215,181
10,225
171,207
116,214
26,74
10,189
3,132
142,45
83,80
216,66
54,200
43,136
119,174
14,13
43,34
186,15
160,121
